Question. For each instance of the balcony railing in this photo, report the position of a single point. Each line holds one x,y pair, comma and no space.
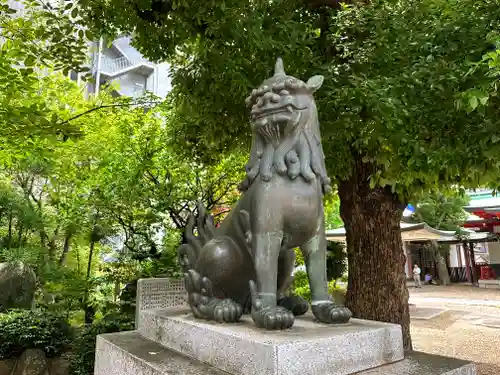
112,66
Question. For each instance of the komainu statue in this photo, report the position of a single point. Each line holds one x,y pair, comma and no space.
245,265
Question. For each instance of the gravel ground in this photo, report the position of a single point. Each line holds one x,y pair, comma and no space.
455,333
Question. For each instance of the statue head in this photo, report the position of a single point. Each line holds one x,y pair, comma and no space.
285,130
280,103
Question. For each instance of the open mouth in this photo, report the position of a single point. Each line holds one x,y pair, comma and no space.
289,108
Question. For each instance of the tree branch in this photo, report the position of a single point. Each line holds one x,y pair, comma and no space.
324,3
103,107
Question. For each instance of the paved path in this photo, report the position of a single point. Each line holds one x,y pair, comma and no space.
469,329
453,301
465,292
461,335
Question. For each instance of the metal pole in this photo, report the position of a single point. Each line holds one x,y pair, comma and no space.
157,79
98,67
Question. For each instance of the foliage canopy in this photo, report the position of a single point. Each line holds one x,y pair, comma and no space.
410,86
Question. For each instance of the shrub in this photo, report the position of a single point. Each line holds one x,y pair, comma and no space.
338,293
336,261
30,329
83,358
300,286
344,278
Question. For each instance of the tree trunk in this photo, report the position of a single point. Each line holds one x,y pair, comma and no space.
43,237
472,257
9,238
442,269
20,235
377,282
89,309
116,294
67,243
467,263
53,246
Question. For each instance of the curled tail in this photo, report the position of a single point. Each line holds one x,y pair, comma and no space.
188,252
204,304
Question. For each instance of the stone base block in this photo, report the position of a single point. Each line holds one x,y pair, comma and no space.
128,353
489,284
309,348
425,364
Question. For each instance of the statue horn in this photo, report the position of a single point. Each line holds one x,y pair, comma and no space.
278,68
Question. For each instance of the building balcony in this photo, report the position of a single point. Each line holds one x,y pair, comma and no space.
116,67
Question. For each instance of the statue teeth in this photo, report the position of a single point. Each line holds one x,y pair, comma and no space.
289,108
262,121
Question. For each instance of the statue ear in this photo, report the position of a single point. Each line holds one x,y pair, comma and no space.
315,83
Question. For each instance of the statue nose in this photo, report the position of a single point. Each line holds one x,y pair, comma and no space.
269,97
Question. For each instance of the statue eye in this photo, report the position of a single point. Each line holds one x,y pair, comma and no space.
277,87
291,84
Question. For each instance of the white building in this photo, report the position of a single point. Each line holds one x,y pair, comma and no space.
120,65
129,73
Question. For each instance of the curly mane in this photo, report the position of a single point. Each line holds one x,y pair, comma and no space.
300,153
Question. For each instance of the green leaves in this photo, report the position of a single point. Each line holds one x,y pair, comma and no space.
396,78
21,330
442,209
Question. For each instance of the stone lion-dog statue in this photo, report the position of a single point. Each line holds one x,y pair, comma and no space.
245,265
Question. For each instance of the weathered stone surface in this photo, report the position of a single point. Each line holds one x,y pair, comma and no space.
127,353
32,362
7,366
17,286
425,364
59,366
309,348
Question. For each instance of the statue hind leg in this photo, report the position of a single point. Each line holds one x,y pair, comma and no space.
286,264
323,308
205,305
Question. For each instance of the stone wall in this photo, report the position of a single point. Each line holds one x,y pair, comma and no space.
34,362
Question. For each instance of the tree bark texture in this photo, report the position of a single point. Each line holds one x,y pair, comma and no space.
442,268
467,263
377,283
472,257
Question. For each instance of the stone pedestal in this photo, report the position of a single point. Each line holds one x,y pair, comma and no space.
170,341
308,348
129,353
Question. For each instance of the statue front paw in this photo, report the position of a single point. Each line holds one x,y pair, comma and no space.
266,314
297,305
329,312
227,311
273,318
